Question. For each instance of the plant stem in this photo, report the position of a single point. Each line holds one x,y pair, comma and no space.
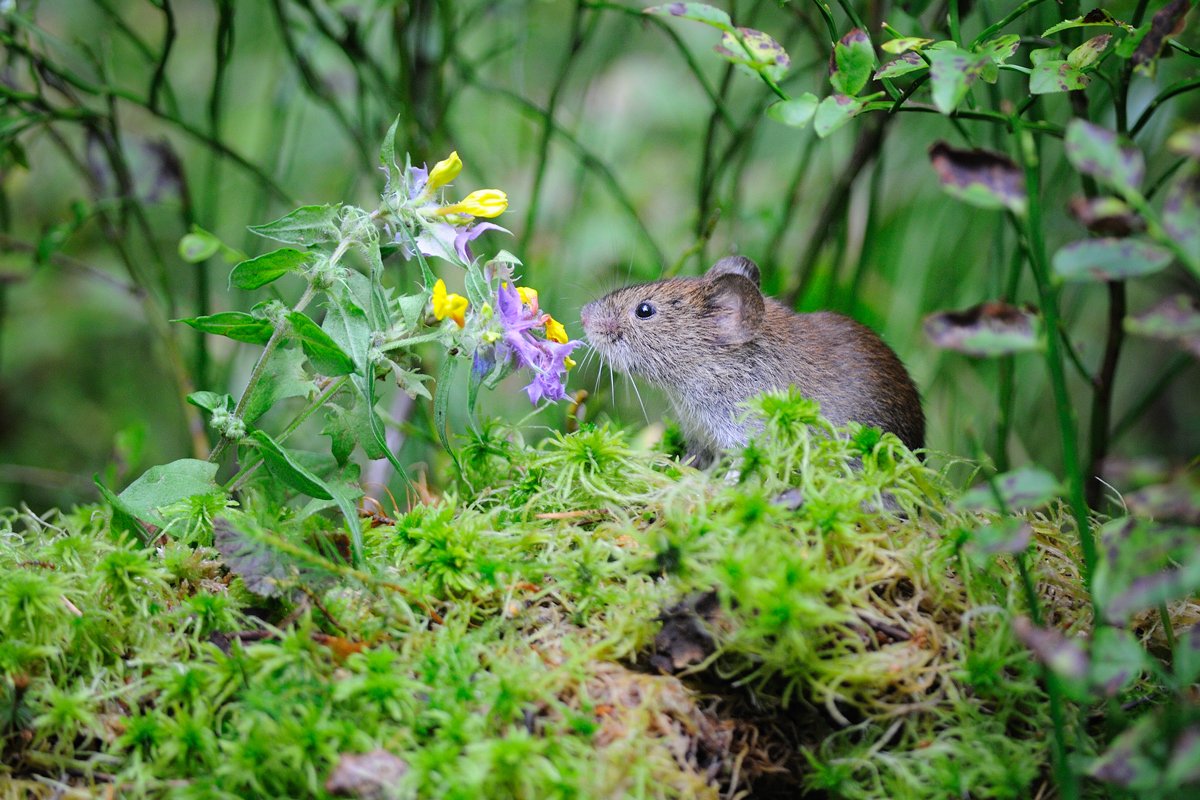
1048,299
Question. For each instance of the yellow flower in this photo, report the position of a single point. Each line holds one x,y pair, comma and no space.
480,203
528,295
555,331
443,172
451,305
568,362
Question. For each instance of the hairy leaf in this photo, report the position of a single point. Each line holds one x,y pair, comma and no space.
236,325
258,272
323,352
167,484
211,401
307,225
283,377
287,469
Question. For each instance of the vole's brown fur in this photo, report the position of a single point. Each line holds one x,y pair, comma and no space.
714,341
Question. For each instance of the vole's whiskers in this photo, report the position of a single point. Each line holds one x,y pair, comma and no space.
637,393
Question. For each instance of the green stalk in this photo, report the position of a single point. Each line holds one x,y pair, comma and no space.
1048,299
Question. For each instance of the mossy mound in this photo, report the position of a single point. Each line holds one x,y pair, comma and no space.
835,629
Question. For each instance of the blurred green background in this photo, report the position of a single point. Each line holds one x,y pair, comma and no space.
124,123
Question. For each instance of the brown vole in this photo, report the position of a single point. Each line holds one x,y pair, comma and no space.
714,341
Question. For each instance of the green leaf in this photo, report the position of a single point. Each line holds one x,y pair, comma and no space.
199,245
797,112
1109,259
124,519
906,63
307,225
258,272
853,60
1099,152
982,178
1128,763
285,468
1043,54
1000,48
952,71
755,51
1065,657
211,401
1181,216
1099,18
1024,488
236,325
366,388
441,404
834,112
1185,661
1185,142
283,376
905,44
387,150
1149,591
1117,659
1008,536
166,485
699,12
347,326
339,427
322,351
988,329
1089,52
1049,77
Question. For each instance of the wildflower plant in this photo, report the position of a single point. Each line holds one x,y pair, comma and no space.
367,332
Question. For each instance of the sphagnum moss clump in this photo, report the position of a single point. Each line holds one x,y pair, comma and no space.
499,644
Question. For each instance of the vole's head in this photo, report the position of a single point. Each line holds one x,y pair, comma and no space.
665,330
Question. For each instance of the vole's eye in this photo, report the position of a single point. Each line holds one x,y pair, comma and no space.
645,310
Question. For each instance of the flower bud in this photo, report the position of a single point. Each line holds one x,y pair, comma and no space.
443,172
480,203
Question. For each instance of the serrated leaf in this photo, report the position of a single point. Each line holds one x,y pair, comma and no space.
699,12
797,112
258,272
1109,259
1088,53
211,401
1049,77
322,351
283,376
1181,216
1097,18
853,60
906,63
905,44
835,111
287,469
199,245
756,51
1117,659
982,178
236,325
988,329
1020,489
1099,152
167,484
952,71
307,225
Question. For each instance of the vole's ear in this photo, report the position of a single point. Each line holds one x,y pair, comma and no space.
735,265
737,307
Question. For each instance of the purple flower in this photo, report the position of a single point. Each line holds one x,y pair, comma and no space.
544,358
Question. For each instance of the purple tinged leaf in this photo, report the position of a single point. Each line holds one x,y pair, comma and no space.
756,51
698,12
905,44
1065,657
1181,216
1185,661
1117,659
1009,536
1099,152
1049,77
952,71
1172,317
1150,590
906,63
834,112
1125,763
1178,500
1109,259
982,178
367,775
1106,215
988,329
1185,142
1169,21
1183,768
1088,53
1024,488
853,60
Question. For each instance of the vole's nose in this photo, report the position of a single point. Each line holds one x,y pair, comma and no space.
585,316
